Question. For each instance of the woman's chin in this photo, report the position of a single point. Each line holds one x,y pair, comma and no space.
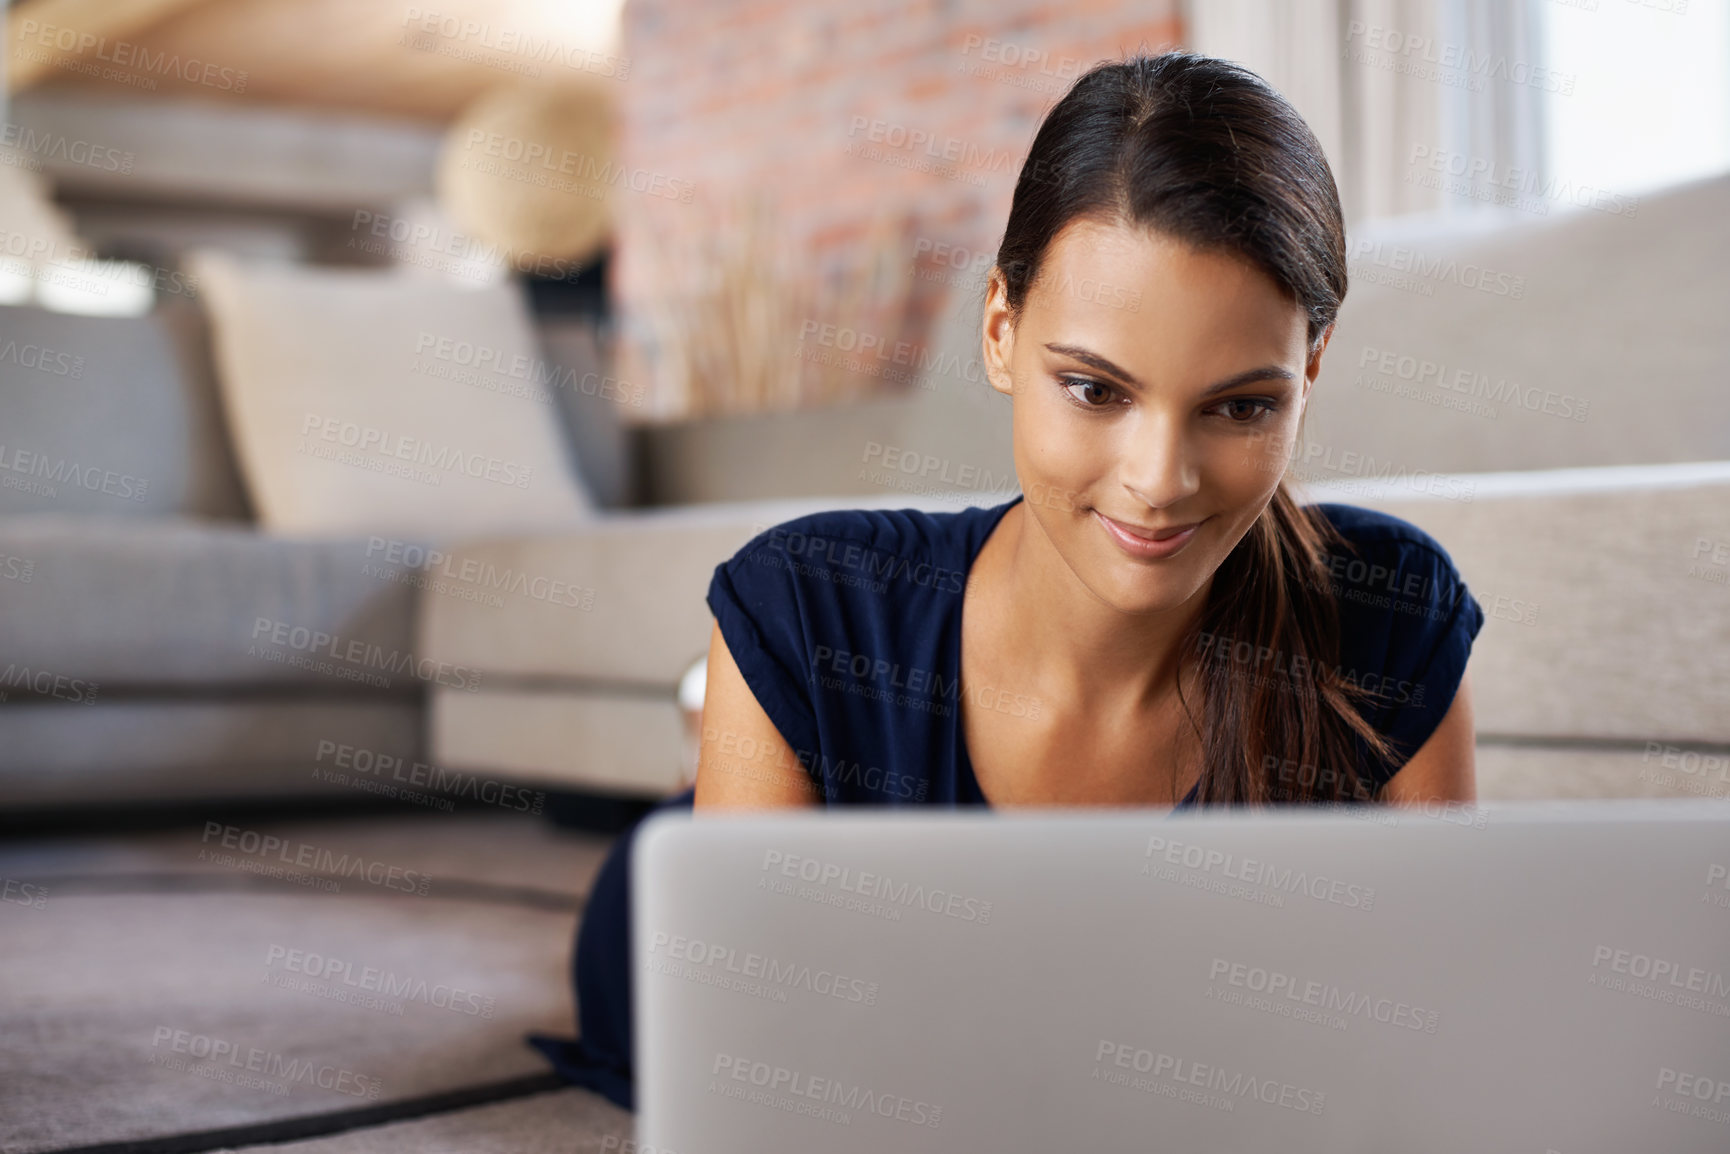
1132,588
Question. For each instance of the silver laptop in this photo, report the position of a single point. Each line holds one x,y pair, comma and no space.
1531,978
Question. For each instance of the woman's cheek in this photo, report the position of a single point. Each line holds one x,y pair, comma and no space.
1264,457
1055,447
1237,481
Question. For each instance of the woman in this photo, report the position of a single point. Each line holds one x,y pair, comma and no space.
1155,622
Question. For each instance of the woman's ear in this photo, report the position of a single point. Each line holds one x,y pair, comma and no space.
999,334
1315,358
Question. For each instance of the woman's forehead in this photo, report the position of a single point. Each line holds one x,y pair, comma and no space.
1150,294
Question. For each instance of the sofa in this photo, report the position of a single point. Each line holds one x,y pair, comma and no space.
162,646
151,619
135,572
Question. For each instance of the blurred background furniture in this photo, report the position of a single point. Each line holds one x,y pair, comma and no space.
136,666
151,598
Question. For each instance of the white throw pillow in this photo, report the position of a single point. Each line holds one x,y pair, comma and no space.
365,401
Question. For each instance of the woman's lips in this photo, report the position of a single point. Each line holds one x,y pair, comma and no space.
1139,543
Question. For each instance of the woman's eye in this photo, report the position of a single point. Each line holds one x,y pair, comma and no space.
1243,410
1078,387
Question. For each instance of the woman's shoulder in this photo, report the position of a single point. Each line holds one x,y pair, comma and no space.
907,529
1376,529
1384,561
1407,619
883,551
835,617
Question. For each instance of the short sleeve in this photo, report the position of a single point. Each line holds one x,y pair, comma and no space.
759,608
1407,624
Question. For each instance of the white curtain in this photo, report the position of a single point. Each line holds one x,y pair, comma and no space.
1420,105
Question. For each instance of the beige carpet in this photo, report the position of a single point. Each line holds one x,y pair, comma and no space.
568,1121
172,984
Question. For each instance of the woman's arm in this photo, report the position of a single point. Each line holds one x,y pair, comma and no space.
1444,769
743,761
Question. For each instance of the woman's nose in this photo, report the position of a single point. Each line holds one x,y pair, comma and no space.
1160,465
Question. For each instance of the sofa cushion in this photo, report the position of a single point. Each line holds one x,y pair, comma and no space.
365,401
133,605
111,415
1586,338
1510,771
1606,594
118,751
620,602
572,738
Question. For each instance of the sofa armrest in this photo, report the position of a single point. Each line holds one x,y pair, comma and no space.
618,604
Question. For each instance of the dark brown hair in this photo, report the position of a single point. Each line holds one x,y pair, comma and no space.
1207,152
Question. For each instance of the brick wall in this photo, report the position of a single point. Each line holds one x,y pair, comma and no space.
893,128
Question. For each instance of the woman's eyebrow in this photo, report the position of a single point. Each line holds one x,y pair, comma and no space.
1088,357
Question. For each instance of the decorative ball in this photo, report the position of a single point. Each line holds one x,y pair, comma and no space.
532,169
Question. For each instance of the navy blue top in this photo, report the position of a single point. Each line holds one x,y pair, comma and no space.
846,624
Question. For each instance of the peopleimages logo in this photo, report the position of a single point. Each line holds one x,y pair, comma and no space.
911,462
36,146
1254,871
446,783
61,471
1349,470
46,684
1333,1003
1218,1087
253,1060
80,45
1694,1089
356,655
1498,390
372,980
589,172
1717,879
878,887
23,893
865,561
43,359
786,975
395,446
1524,188
433,563
758,761
1661,972
529,376
1289,668
801,1089
878,679
1456,64
1398,258
260,846
913,139
539,48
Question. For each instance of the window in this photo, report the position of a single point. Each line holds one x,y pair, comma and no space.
1650,103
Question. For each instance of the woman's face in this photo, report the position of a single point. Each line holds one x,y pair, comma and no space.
1156,388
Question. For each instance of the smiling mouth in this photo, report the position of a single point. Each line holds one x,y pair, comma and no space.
1146,544
1161,534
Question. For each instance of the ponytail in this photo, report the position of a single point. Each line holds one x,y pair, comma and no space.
1280,722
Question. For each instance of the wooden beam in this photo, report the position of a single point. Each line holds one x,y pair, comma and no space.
42,34
236,153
